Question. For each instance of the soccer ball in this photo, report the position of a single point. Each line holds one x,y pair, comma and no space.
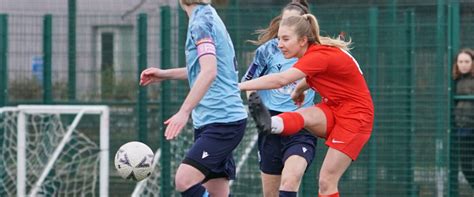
134,160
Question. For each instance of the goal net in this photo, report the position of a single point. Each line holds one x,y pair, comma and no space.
44,153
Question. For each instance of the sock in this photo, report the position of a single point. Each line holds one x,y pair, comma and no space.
277,125
293,122
195,191
330,195
287,194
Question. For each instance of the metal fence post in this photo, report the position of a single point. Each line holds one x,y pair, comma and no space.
142,91
373,61
3,59
47,55
441,130
165,181
71,49
453,47
412,188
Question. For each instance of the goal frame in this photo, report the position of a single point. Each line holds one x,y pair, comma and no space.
80,110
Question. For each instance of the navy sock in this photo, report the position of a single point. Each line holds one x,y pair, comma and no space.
287,194
195,191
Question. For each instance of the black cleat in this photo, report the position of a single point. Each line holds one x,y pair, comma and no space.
260,114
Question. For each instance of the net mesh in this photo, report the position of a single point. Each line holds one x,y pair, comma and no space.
44,133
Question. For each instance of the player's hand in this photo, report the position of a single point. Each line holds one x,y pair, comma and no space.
297,97
151,75
175,124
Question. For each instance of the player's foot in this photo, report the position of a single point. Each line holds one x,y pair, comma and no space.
260,113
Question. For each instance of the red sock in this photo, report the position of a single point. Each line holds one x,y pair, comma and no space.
293,122
330,195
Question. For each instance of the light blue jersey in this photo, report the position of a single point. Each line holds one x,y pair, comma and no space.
222,102
269,59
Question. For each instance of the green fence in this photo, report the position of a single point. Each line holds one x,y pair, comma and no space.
405,52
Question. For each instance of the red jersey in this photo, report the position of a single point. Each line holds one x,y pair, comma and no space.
336,75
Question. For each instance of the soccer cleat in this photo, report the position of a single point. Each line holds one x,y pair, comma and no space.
260,114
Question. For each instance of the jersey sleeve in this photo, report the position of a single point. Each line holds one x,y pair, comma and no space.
203,37
259,65
312,63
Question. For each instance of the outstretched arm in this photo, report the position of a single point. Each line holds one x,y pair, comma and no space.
273,81
156,75
178,73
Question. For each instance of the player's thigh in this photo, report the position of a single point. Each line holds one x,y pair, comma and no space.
270,184
187,175
218,187
314,120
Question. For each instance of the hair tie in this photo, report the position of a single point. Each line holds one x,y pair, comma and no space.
304,9
305,16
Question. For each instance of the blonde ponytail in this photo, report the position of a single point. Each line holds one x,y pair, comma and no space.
307,25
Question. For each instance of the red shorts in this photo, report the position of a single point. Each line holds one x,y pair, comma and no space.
346,133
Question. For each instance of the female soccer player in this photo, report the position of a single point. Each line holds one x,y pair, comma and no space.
283,159
218,115
345,115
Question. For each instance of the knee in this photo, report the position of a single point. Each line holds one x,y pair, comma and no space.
326,184
182,183
290,182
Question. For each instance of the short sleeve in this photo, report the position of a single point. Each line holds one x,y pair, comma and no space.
259,65
201,32
312,63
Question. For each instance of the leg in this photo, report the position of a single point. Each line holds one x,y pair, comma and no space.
299,153
210,157
271,163
218,187
334,165
292,173
313,119
187,180
270,184
289,123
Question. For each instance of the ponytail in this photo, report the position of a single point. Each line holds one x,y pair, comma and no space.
307,25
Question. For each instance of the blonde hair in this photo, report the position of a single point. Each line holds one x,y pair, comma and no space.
190,2
456,72
307,25
271,31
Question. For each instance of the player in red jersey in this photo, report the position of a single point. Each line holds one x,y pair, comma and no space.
345,115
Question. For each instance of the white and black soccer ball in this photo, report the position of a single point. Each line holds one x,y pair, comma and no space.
134,160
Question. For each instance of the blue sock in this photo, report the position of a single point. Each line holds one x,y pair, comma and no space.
195,191
287,194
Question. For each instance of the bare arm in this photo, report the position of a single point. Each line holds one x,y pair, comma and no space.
177,73
156,75
298,93
204,80
273,81
301,86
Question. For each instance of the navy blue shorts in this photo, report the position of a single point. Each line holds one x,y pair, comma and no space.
274,150
211,152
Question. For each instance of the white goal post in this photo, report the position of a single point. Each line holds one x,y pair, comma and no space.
79,110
